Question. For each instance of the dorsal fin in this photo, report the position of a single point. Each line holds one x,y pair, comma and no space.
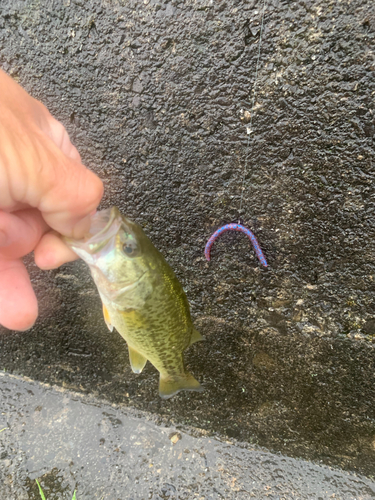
195,336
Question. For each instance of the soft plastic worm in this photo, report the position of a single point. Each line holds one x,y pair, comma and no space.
242,229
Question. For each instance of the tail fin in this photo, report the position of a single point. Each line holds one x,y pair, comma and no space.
171,385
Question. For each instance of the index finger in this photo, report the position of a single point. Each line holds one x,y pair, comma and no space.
71,193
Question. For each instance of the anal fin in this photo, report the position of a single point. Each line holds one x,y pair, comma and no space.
195,336
171,385
107,318
137,360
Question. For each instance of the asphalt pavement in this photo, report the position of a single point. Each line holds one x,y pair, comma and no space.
70,441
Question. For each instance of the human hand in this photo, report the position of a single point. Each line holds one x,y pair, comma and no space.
44,190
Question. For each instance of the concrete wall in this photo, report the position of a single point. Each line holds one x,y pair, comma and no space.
151,94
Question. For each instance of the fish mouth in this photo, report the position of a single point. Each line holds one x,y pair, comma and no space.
103,226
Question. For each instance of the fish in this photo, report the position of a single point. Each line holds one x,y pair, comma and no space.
142,298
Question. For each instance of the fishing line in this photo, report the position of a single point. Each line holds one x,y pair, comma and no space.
238,226
249,128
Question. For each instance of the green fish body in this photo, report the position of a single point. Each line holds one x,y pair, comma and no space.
141,296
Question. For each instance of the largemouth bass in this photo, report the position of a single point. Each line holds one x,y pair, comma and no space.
141,297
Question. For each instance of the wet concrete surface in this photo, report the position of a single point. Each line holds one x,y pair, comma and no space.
151,94
68,441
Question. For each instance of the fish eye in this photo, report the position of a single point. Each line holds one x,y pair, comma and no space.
129,249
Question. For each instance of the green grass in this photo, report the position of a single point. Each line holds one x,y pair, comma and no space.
42,494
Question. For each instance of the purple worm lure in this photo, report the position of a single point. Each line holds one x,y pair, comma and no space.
242,229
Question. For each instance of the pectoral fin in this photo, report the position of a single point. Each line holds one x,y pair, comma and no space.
137,361
195,336
169,386
107,319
